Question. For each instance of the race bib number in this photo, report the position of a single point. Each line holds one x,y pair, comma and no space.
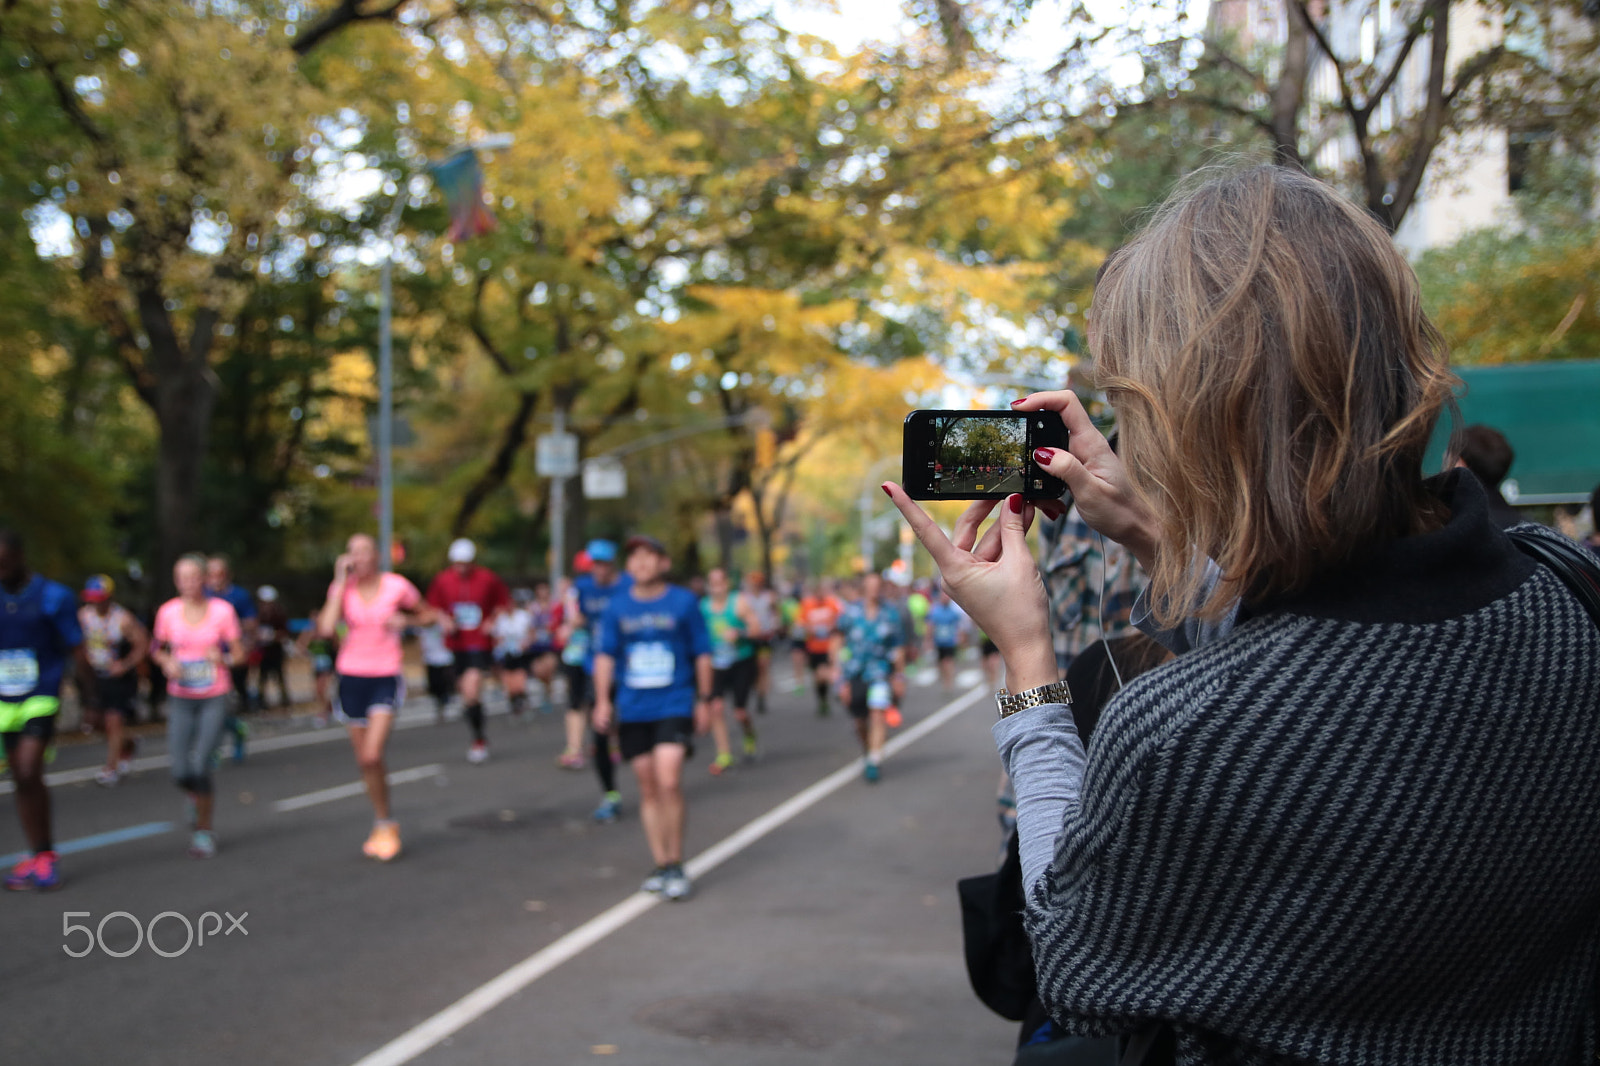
577,648
879,696
722,657
467,615
101,655
197,673
944,635
821,632
651,664
19,672
322,664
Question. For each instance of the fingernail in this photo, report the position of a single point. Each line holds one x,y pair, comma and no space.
1042,456
886,492
1015,402
1016,504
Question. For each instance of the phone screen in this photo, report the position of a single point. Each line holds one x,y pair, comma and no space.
979,454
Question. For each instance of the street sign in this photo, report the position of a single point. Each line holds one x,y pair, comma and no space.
604,479
556,455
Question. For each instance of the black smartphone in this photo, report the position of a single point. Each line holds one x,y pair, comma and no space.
980,455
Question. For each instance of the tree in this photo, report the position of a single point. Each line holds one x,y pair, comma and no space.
1361,92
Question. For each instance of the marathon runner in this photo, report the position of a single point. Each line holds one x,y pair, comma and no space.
765,623
819,618
322,651
729,617
199,644
869,646
38,634
114,643
653,642
272,626
591,595
440,662
470,596
544,642
513,635
219,583
373,606
947,626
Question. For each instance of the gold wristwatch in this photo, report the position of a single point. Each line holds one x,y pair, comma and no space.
1010,703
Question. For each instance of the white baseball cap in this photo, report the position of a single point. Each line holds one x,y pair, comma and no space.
462,550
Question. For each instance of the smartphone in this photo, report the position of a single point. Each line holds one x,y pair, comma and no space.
980,455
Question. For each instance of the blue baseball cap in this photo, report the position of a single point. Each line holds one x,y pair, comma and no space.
98,588
602,551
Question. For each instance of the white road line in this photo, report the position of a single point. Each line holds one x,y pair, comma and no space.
486,997
355,788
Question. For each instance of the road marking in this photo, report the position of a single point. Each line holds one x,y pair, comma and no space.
486,997
355,788
98,840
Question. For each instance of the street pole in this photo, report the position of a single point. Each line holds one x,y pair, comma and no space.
558,512
386,386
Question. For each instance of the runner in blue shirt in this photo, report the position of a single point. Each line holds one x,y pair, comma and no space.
653,642
590,596
39,633
947,625
874,636
219,583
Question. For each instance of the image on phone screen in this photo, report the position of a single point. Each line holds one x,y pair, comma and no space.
979,454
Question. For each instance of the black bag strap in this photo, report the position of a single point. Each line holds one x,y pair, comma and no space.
1576,568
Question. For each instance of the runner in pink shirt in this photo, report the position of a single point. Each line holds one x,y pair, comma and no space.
197,640
375,607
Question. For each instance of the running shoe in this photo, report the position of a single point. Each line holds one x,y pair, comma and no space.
720,764
749,747
240,731
106,777
871,773
20,879
570,760
478,753
892,718
610,808
45,874
675,885
823,709
656,881
384,842
202,845
123,768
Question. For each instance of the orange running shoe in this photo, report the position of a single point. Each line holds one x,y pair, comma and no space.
892,719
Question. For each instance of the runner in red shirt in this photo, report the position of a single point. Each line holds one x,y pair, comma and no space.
470,596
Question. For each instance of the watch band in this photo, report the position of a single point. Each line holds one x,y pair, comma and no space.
1010,703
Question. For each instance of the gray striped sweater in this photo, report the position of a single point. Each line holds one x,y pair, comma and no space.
1362,828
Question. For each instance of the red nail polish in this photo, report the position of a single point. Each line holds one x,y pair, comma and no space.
1016,504
1015,402
886,492
1042,456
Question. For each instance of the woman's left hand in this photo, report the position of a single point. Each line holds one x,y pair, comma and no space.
995,580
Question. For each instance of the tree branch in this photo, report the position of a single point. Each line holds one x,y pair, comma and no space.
343,14
1432,125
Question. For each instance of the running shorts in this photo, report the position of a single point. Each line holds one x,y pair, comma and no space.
946,653
360,695
32,717
817,659
476,659
734,682
115,694
640,738
441,681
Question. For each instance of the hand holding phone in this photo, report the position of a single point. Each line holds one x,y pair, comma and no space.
980,455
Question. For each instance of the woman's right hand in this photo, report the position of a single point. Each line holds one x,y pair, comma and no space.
1095,475
995,580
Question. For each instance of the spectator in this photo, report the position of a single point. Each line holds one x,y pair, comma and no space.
1485,451
1355,824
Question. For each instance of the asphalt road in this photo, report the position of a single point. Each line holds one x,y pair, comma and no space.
996,482
833,938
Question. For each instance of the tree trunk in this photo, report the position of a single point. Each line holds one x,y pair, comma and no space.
1288,96
184,401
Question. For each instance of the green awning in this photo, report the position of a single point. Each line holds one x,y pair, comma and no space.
1550,412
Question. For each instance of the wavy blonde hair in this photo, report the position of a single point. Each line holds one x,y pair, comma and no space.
1276,383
